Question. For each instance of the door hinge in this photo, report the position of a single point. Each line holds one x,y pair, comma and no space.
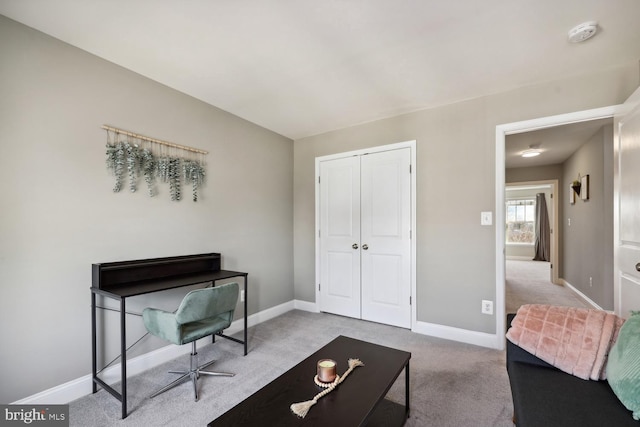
409,300
409,168
318,287
318,180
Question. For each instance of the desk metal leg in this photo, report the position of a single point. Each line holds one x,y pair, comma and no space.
246,322
94,353
123,356
246,298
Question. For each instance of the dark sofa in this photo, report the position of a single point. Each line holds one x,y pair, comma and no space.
545,396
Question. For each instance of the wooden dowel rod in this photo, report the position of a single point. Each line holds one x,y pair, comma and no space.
157,141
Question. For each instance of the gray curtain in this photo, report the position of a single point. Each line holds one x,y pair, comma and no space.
543,233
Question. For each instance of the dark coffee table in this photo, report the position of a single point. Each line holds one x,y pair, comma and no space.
358,401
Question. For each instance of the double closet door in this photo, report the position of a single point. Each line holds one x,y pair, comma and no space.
365,236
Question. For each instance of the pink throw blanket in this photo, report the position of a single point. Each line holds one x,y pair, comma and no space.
575,340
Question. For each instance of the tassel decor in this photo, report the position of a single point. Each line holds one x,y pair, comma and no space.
302,408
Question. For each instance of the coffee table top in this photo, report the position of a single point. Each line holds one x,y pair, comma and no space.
351,403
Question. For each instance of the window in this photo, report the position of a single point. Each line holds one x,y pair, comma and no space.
521,221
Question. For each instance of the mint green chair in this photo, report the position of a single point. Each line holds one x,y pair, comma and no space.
202,312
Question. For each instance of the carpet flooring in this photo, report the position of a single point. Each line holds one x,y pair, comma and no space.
528,282
452,384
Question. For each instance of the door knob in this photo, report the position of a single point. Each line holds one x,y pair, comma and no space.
354,246
638,266
365,247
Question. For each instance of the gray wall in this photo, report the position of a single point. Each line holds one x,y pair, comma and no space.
536,173
587,241
455,182
59,214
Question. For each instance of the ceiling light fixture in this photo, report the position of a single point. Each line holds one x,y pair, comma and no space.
582,32
531,152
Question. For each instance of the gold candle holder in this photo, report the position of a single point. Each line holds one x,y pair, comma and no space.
327,370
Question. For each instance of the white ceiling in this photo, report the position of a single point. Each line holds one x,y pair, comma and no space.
303,67
556,144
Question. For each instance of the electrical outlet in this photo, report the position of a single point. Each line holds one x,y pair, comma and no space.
487,307
590,281
241,296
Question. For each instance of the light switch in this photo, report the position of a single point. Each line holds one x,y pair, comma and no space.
486,218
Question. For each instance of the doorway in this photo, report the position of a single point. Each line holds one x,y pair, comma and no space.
525,194
365,228
501,133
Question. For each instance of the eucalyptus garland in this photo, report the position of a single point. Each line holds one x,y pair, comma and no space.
168,169
133,165
193,172
115,163
148,165
174,179
162,166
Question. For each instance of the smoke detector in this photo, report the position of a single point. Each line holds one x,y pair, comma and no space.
582,32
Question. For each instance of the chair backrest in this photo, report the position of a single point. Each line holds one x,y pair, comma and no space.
210,302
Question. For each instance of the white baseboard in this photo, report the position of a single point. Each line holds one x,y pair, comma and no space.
306,306
456,334
581,295
75,389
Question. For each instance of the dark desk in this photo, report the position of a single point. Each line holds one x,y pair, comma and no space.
121,280
358,401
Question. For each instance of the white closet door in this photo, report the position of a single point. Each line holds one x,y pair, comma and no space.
385,237
340,236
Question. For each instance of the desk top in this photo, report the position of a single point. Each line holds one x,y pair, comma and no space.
141,287
352,403
122,279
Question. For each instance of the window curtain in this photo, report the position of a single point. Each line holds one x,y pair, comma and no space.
543,233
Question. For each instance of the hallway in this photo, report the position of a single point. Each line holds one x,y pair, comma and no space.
528,282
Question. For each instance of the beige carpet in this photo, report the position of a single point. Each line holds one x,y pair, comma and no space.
528,282
452,384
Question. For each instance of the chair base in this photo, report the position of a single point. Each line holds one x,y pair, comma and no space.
193,373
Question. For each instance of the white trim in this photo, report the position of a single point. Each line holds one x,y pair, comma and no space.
414,232
482,339
581,295
518,258
80,387
306,306
501,132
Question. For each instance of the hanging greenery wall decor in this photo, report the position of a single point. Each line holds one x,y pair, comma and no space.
133,165
193,172
115,163
174,179
148,164
141,157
